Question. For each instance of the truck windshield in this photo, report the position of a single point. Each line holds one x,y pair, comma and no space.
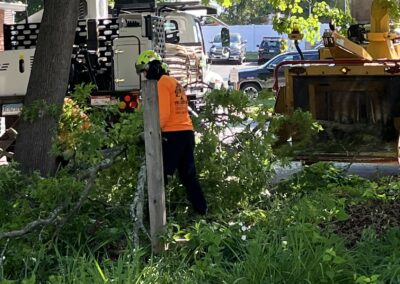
233,38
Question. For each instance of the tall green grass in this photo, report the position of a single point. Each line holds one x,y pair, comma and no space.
285,238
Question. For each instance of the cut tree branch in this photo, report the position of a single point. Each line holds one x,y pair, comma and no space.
51,219
54,217
137,206
91,174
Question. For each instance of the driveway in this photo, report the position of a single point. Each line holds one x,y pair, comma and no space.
223,69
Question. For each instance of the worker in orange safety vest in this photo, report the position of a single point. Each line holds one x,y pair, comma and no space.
176,128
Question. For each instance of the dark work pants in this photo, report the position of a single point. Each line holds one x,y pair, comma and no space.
177,147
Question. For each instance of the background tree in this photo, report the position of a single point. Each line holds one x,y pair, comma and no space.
247,12
319,11
34,6
47,86
308,15
257,12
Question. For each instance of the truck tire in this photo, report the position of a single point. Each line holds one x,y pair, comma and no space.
251,90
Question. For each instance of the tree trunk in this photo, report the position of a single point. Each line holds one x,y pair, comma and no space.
47,86
361,10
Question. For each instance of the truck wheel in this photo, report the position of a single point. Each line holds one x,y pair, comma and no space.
251,90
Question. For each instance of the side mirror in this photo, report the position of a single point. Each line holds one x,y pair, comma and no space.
225,37
271,68
245,41
257,45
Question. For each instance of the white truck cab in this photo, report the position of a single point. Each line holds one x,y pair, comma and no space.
107,45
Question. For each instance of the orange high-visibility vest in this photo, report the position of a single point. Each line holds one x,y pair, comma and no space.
173,105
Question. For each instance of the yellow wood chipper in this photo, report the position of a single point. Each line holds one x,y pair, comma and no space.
353,91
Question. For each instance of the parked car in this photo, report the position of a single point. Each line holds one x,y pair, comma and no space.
253,80
268,48
235,52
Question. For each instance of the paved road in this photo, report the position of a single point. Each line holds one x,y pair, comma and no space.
223,69
370,171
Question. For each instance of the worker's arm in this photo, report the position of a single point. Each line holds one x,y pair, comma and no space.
164,102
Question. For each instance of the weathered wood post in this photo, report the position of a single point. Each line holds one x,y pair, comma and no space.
154,165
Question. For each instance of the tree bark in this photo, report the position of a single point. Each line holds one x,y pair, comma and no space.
47,84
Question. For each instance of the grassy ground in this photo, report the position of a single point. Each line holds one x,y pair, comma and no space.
251,56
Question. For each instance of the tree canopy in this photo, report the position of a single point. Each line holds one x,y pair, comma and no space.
309,23
247,12
307,14
34,6
258,12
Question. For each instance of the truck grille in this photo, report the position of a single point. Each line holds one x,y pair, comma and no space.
218,51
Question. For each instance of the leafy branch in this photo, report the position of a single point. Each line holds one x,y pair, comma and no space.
53,217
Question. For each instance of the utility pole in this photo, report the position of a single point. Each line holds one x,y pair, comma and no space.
154,164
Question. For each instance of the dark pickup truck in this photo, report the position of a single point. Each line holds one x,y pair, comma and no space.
253,80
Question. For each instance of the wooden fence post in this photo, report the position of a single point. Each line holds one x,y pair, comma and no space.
154,165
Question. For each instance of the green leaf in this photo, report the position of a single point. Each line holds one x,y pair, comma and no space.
341,215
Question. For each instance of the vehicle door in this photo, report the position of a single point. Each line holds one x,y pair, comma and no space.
281,71
311,56
268,71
